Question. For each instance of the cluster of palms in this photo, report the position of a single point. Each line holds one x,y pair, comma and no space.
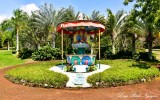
39,29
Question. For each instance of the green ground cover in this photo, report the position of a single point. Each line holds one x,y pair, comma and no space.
9,59
37,75
123,72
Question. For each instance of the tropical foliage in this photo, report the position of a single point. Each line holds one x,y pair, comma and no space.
134,31
114,25
147,11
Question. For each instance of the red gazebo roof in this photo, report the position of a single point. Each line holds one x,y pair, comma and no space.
71,27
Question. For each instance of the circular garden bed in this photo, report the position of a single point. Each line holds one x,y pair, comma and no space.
37,75
124,72
121,72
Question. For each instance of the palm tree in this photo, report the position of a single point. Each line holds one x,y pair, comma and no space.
96,16
114,24
148,11
7,29
18,20
135,28
46,20
70,14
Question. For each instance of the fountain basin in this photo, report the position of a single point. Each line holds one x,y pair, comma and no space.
86,59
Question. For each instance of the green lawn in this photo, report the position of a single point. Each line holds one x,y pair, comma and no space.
9,59
157,53
38,75
124,71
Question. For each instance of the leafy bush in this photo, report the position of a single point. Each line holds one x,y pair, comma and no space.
37,75
92,68
123,72
14,52
156,47
123,55
143,56
25,53
107,54
68,68
46,53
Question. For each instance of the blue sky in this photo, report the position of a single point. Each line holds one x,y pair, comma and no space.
85,6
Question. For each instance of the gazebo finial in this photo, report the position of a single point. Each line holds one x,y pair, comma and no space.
80,16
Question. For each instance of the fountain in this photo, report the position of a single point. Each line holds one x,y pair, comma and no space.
80,31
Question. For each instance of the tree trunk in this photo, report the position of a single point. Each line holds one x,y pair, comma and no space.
8,46
91,49
113,47
113,36
17,42
133,45
53,41
38,46
150,41
150,50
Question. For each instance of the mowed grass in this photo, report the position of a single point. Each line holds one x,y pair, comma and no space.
157,53
124,72
9,59
38,75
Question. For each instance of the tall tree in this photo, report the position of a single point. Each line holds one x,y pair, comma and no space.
157,20
146,10
7,29
46,20
96,16
19,21
71,14
135,28
113,24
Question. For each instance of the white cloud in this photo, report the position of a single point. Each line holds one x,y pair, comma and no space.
29,8
3,17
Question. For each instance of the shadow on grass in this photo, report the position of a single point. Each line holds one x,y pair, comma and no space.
143,65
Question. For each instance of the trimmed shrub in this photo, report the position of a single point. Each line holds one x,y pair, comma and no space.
25,53
46,53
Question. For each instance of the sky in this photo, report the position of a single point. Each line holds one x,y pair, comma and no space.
84,6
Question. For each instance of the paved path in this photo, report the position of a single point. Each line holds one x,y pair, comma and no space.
11,91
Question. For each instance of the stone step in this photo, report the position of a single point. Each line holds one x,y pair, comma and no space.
79,79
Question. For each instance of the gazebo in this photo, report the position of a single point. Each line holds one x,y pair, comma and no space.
81,30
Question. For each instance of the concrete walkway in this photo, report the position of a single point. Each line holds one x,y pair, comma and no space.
78,79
